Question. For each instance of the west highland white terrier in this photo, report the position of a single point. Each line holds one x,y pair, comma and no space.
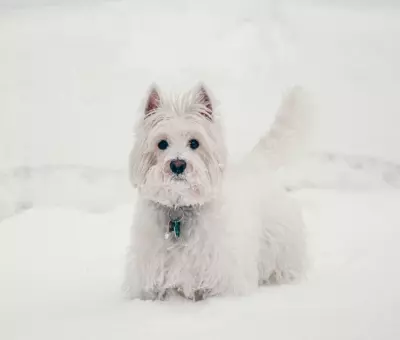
202,228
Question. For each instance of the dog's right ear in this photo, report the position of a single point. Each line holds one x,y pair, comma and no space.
153,101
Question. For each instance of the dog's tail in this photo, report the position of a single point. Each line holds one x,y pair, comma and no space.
288,138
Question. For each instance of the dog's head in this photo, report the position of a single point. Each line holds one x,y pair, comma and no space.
179,152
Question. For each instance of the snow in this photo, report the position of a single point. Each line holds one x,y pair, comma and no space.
72,77
63,271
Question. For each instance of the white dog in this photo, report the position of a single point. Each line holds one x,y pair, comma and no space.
202,228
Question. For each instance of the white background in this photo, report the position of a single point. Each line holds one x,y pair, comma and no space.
72,76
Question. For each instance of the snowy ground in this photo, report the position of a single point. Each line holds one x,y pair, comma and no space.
71,79
61,274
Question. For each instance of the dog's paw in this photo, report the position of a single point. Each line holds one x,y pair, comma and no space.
201,294
197,295
279,277
153,295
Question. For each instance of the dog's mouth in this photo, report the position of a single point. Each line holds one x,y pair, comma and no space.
178,178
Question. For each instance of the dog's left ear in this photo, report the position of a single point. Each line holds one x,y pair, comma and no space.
153,100
202,97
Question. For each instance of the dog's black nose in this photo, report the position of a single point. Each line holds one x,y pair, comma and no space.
177,166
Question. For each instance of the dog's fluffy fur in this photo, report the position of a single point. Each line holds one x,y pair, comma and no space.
239,230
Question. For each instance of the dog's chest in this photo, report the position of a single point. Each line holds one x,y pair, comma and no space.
189,261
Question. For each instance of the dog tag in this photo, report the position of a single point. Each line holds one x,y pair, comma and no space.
175,216
175,226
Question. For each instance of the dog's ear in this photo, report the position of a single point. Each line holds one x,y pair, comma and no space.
153,100
202,97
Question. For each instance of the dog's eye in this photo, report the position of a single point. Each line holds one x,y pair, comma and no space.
194,144
163,144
